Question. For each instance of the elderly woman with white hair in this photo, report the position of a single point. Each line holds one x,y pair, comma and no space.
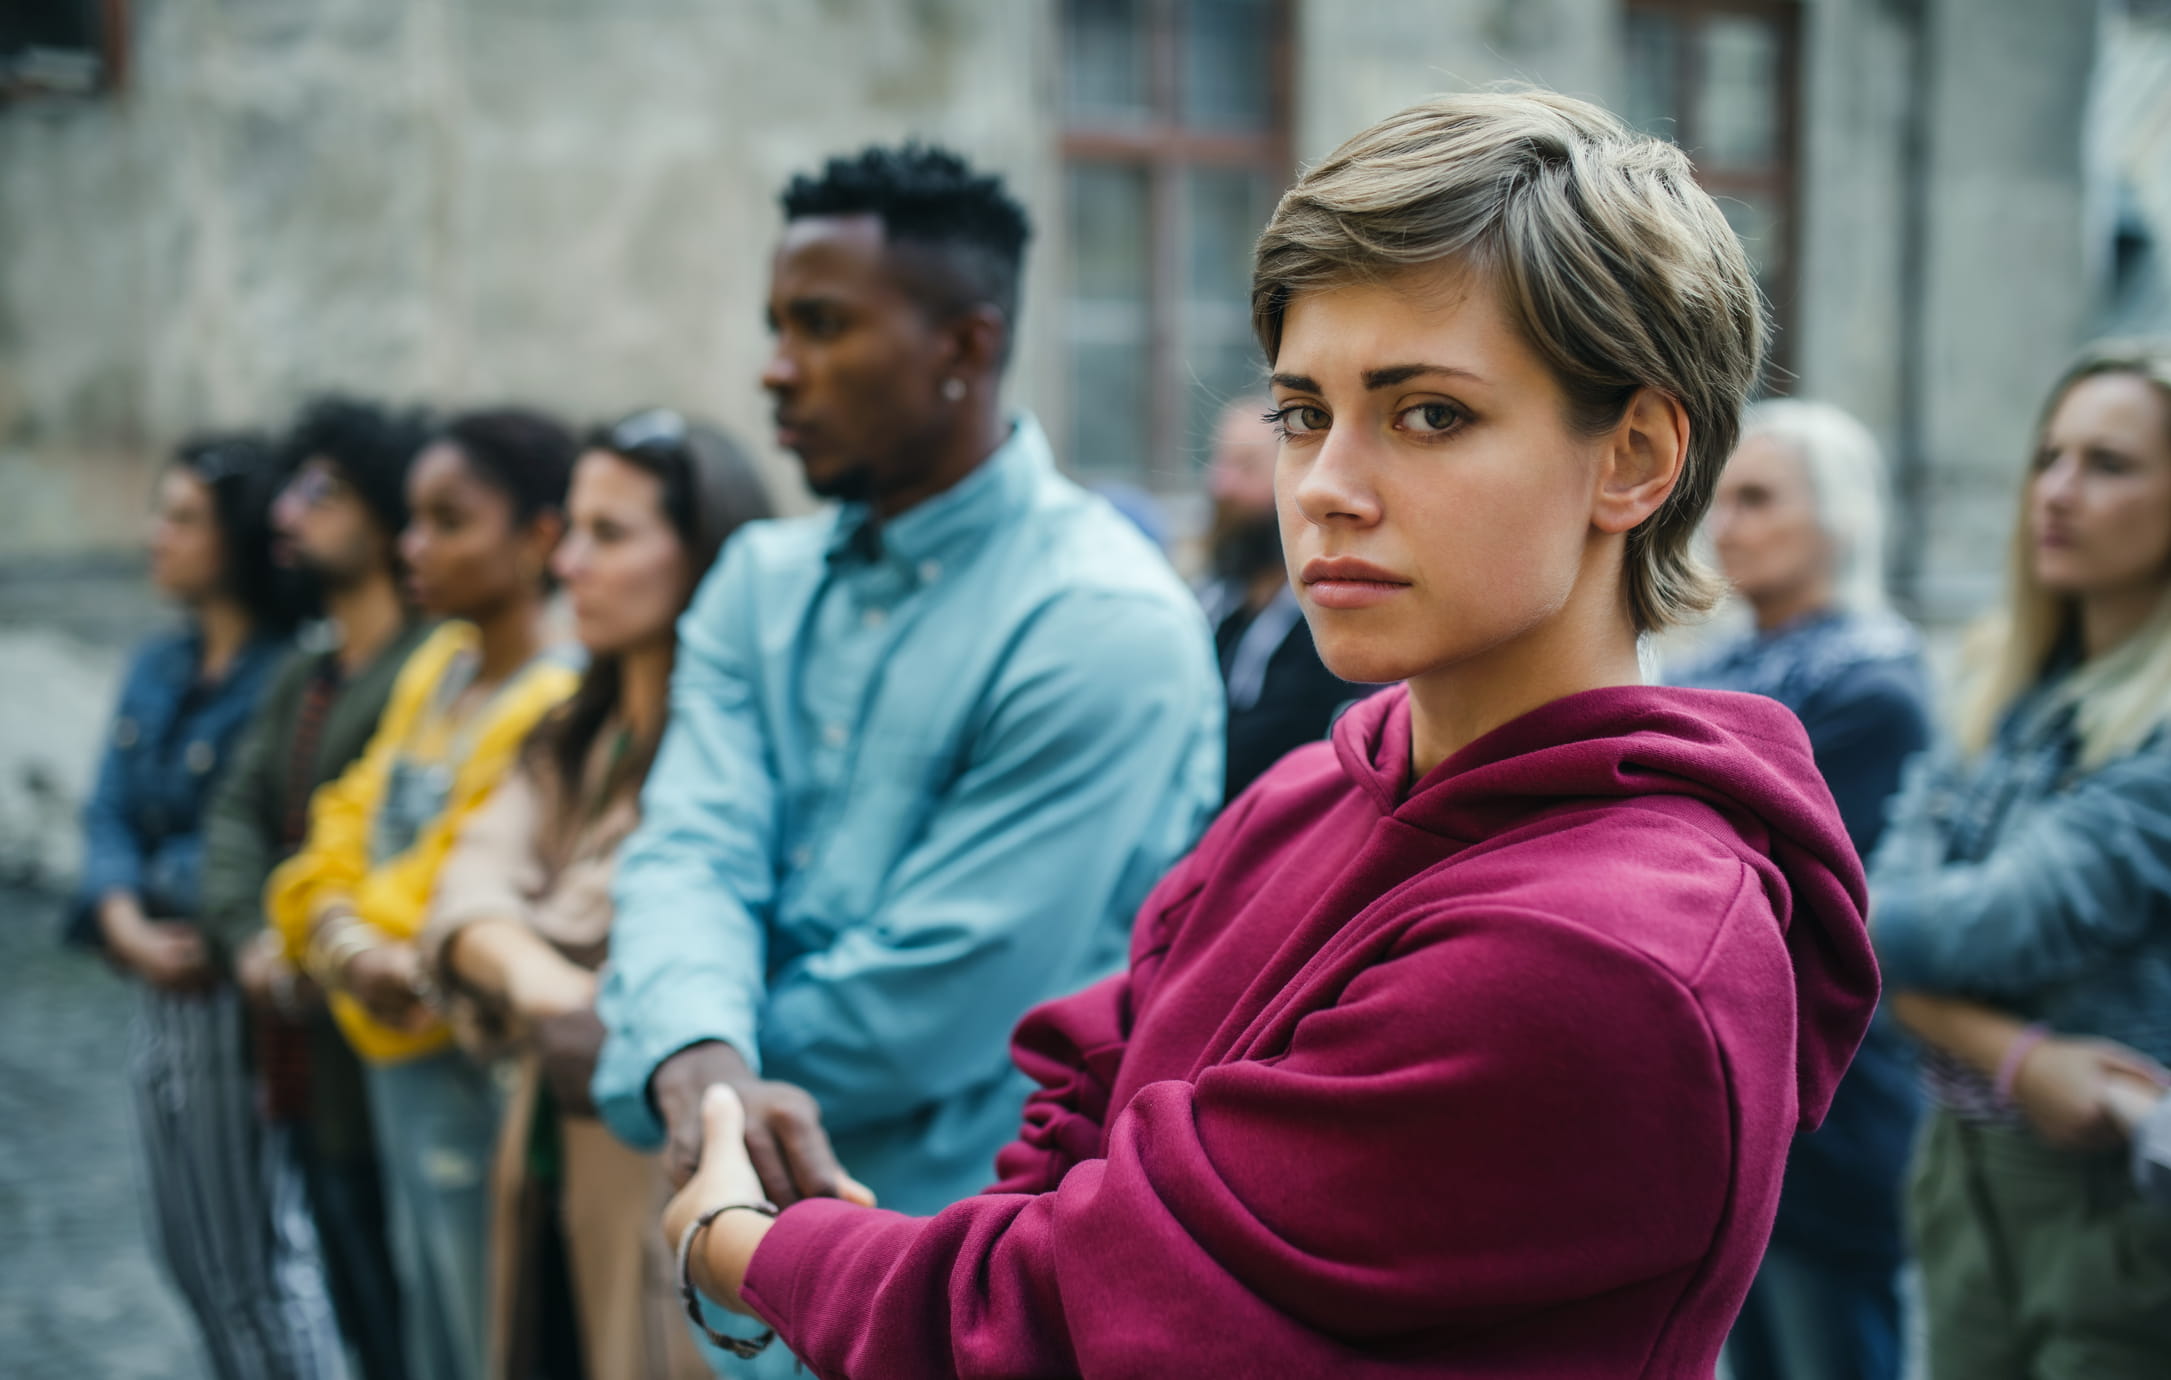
1798,527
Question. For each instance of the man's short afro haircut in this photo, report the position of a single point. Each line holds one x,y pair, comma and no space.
928,197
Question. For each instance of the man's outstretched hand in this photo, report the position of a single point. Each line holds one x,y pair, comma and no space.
784,1135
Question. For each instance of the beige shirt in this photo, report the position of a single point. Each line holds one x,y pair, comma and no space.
531,855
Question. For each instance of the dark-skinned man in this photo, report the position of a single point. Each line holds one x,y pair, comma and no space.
928,750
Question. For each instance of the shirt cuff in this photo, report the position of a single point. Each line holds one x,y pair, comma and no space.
630,1058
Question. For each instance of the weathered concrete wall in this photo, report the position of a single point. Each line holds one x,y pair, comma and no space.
563,201
455,200
2009,292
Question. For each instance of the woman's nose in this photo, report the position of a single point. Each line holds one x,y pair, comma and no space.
1335,484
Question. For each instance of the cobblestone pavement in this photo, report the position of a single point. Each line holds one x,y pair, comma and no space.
80,1297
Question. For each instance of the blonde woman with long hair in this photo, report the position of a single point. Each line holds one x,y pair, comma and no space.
2021,907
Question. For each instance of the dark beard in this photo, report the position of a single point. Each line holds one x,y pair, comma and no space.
1245,544
846,486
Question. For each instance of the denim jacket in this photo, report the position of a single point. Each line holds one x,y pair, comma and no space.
2021,880
169,744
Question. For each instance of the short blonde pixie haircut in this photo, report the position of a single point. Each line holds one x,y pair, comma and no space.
1614,265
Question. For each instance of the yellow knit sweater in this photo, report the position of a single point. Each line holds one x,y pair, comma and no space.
393,897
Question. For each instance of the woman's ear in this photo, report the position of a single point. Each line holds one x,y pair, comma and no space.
1643,458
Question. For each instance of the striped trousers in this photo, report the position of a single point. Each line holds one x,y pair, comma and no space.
228,1213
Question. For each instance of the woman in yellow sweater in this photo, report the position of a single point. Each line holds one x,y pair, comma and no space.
487,499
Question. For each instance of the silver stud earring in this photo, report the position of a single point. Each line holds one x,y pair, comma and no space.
953,389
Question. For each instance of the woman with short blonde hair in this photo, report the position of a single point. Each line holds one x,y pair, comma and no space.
1471,1042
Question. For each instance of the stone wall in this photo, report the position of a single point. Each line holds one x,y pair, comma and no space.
453,200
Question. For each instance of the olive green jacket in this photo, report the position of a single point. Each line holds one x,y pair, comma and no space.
244,841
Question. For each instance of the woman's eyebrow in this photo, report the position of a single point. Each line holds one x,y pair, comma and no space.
1403,373
1375,379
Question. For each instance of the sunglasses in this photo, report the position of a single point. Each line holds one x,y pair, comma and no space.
654,434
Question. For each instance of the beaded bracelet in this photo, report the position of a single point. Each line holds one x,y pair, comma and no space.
741,1347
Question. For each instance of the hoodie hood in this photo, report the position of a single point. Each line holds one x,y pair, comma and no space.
1743,757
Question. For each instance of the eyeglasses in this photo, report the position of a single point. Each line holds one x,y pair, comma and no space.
656,433
315,487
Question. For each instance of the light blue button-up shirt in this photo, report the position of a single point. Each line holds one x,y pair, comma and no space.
917,779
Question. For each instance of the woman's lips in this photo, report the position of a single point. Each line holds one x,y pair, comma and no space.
1344,583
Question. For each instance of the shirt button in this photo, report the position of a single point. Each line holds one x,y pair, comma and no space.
835,735
201,757
874,618
802,857
930,571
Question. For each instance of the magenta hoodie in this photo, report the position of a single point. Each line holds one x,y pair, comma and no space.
1492,1077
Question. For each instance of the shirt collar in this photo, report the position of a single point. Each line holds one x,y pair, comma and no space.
955,520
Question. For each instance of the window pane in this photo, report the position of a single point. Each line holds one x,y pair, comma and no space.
1654,57
1737,99
1110,410
1108,233
1105,75
1224,211
1228,59
1226,208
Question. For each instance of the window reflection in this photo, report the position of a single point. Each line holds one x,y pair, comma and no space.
1738,117
1226,53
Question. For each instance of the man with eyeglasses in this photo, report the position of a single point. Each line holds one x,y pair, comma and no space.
928,749
339,521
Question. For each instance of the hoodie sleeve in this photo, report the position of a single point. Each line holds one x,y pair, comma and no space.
1418,1165
1073,1047
2084,875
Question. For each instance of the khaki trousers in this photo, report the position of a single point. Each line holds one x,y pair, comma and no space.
2037,1264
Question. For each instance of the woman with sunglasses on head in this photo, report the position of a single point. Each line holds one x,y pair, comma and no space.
1472,1042
486,501
522,915
184,703
2022,913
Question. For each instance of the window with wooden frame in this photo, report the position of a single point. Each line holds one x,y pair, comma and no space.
1722,78
61,47
1175,149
